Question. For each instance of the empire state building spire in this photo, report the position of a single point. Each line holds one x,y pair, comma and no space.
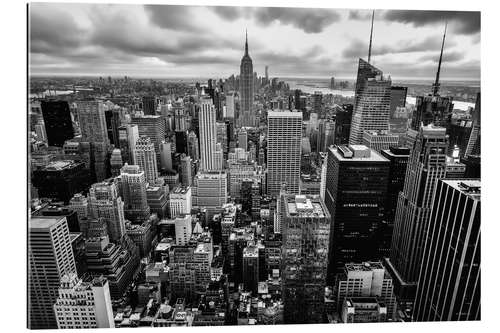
246,42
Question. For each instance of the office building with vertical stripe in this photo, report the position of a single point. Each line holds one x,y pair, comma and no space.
449,285
426,164
50,257
372,101
208,134
284,131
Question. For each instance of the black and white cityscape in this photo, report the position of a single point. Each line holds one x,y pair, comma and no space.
209,166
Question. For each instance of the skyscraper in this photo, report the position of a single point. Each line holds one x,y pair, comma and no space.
84,304
133,189
58,123
145,158
105,202
166,155
371,102
449,285
193,146
433,108
284,133
186,170
208,134
154,128
398,98
92,122
305,229
474,143
247,117
398,162
149,105
50,257
356,187
426,164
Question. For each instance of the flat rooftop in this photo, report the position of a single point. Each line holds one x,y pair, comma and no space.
373,156
45,222
285,114
365,266
469,187
60,165
305,206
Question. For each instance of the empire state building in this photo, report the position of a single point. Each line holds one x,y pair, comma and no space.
246,89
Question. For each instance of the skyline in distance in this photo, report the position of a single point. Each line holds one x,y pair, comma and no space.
100,39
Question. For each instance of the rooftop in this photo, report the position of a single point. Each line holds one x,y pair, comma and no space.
469,187
285,114
44,222
305,206
358,153
60,165
365,266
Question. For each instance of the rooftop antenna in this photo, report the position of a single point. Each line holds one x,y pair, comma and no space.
371,35
246,42
435,86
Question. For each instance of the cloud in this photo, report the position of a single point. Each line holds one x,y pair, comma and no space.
51,29
308,19
466,23
358,48
172,17
361,15
447,57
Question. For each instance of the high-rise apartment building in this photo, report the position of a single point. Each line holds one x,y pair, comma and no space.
208,134
133,189
50,257
84,304
58,123
449,284
105,202
247,117
284,133
356,187
371,102
305,229
145,158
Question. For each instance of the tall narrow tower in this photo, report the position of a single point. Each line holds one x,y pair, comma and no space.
246,89
208,134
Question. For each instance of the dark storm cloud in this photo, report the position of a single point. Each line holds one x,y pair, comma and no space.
172,17
310,20
359,48
466,23
52,30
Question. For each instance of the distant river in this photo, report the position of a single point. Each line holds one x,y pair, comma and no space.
310,89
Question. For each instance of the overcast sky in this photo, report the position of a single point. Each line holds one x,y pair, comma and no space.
182,41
